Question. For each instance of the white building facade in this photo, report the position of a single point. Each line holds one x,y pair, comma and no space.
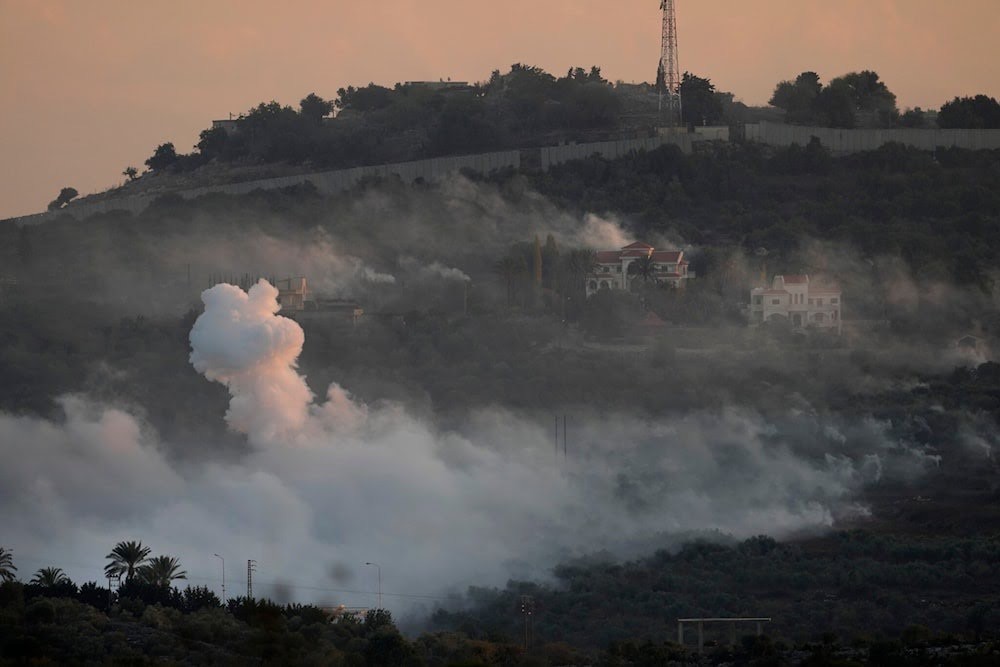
611,270
795,299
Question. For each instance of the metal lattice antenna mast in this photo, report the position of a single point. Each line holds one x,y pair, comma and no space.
670,69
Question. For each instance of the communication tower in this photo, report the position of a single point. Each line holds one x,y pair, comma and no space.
668,74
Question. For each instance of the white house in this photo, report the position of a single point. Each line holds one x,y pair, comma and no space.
611,267
796,300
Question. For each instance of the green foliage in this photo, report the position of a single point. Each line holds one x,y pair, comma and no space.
7,568
50,576
65,196
701,105
161,571
808,102
163,157
979,112
125,558
315,108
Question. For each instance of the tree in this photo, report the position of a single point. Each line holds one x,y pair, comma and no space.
510,269
212,142
798,98
7,568
49,577
161,571
126,558
979,112
131,173
699,103
65,196
314,107
162,157
867,92
912,118
644,268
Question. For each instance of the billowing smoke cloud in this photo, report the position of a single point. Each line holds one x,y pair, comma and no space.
434,270
333,484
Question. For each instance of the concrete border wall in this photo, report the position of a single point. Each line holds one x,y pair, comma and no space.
841,142
552,155
327,182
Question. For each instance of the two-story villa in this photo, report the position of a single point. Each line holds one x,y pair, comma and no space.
801,303
611,270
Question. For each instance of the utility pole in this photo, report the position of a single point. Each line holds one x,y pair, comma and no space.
379,568
669,67
251,568
223,578
527,609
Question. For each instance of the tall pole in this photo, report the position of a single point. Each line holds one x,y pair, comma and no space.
223,577
379,569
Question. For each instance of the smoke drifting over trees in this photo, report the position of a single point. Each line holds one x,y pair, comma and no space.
142,402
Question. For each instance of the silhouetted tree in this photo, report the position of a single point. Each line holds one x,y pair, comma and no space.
979,112
131,173
700,105
315,108
162,157
7,568
65,196
125,558
49,577
161,571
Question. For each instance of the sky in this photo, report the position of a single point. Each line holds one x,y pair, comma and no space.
89,87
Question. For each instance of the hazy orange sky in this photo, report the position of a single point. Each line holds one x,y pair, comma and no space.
91,86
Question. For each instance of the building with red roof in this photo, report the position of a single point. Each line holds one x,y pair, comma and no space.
611,270
798,301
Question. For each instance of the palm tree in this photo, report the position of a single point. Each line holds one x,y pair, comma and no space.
50,576
125,558
7,568
645,268
161,571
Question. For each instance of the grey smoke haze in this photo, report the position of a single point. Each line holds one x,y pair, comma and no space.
332,484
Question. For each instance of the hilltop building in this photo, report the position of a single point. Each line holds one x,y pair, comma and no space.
611,270
795,299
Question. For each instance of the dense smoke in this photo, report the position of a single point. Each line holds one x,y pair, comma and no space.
333,484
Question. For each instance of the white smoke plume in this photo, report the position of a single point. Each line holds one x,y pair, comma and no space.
433,270
331,485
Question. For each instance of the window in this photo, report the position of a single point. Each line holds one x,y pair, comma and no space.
593,284
833,316
758,300
819,302
819,317
812,302
618,268
606,269
604,284
834,301
775,302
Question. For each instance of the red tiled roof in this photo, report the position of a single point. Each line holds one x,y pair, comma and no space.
667,255
824,290
638,252
608,256
638,244
796,279
774,292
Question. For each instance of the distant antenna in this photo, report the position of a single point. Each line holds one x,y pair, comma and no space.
251,568
668,76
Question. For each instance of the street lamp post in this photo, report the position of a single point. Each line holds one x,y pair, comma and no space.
223,578
379,568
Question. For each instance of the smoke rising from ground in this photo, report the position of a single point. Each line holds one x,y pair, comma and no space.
333,484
